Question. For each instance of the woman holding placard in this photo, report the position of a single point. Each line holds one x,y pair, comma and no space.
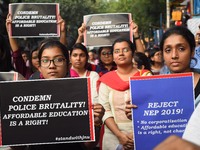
54,63
113,92
177,45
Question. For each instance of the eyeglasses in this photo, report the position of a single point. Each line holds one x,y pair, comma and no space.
106,53
124,50
56,61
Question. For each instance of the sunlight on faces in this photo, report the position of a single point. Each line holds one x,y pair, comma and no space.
122,53
53,71
78,59
177,54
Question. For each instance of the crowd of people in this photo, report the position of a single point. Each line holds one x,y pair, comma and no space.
109,70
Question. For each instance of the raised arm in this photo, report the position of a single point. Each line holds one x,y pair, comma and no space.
18,61
136,37
13,42
63,32
81,31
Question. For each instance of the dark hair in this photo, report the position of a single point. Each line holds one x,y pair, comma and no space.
53,43
83,48
26,52
179,30
153,50
5,55
34,48
142,59
119,40
80,46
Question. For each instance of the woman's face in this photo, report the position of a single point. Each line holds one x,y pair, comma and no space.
122,54
177,54
35,60
158,58
25,57
53,63
78,59
106,56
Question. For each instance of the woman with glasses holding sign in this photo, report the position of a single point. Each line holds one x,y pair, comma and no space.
54,63
113,93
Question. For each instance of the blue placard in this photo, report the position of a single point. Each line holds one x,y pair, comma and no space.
165,104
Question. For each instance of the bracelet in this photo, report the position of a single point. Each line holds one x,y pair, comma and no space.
136,38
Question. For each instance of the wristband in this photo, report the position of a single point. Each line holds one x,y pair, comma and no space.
136,38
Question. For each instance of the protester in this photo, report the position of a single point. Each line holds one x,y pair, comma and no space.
106,62
92,59
177,46
113,92
26,57
156,60
79,60
34,63
141,61
54,63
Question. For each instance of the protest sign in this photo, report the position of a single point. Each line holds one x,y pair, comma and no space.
104,29
46,111
8,76
34,20
165,104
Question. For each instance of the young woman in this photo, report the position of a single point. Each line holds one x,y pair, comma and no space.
141,61
34,63
79,59
156,60
106,62
54,63
113,92
177,45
